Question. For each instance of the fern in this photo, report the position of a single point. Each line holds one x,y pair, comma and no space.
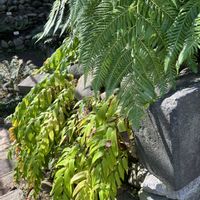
136,46
179,30
57,19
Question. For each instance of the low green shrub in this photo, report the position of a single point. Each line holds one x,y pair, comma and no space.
80,143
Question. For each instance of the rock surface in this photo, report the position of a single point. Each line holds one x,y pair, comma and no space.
84,89
22,17
149,196
169,140
76,70
152,186
7,186
13,195
27,84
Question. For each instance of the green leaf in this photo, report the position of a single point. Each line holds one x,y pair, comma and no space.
121,170
121,125
112,135
125,164
51,135
78,177
97,156
79,187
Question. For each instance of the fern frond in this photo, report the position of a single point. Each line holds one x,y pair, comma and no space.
121,39
179,30
56,18
144,42
191,45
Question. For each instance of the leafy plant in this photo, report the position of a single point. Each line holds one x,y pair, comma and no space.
13,72
138,46
95,162
62,58
37,123
82,145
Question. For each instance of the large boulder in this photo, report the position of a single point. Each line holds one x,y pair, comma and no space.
168,141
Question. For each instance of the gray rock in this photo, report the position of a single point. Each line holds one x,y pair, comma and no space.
7,183
28,37
22,1
103,95
10,20
76,70
4,44
15,2
27,84
2,8
21,7
148,196
2,2
3,154
12,8
18,42
153,186
32,14
9,2
168,141
10,44
20,47
84,89
6,166
4,140
13,195
36,3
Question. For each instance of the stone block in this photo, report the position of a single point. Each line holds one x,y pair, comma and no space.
13,195
4,44
3,155
18,42
6,183
6,166
156,189
4,140
27,84
148,196
168,141
84,89
76,70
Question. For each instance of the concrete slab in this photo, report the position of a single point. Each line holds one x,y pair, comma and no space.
6,183
4,154
5,167
4,140
13,195
27,84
